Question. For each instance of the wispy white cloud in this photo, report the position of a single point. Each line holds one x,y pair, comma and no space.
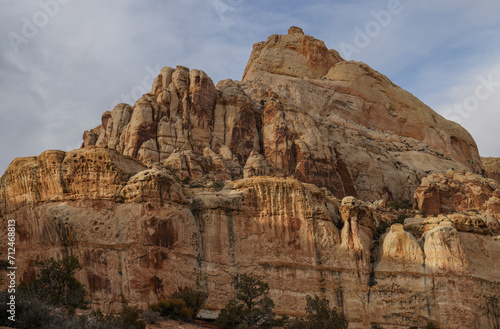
473,101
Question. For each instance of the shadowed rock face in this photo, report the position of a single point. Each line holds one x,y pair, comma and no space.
142,205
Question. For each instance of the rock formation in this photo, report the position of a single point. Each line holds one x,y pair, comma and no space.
458,191
310,114
492,168
276,175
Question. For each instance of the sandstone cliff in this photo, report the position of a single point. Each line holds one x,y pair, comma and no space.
310,114
151,236
302,147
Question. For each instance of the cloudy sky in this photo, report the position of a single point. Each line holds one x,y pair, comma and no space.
64,62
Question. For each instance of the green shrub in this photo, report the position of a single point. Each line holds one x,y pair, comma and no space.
252,307
128,318
56,283
174,309
193,299
218,185
33,313
401,218
186,313
4,264
430,325
381,228
168,307
397,205
151,316
319,315
181,305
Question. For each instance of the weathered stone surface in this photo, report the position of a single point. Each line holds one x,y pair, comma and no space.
333,123
173,117
235,122
444,251
283,230
256,165
223,165
85,174
186,165
354,96
295,54
458,191
357,229
142,203
373,145
152,185
492,167
400,252
113,124
465,221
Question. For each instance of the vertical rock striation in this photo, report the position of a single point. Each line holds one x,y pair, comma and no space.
275,175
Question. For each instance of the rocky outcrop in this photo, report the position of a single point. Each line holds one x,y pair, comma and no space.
310,114
180,115
443,250
85,174
295,55
257,165
458,191
466,221
425,275
357,230
401,252
492,168
355,93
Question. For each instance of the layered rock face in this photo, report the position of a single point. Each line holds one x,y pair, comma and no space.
301,147
310,114
458,191
185,124
143,241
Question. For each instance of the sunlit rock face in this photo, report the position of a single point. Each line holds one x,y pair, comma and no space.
492,168
275,175
459,191
306,111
